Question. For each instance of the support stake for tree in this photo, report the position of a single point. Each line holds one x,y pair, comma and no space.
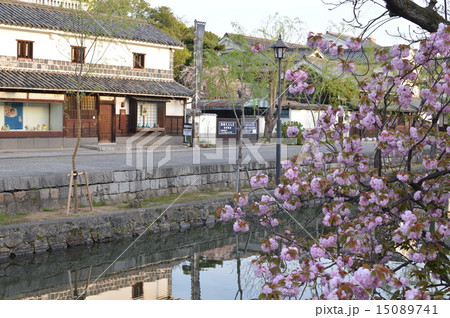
73,175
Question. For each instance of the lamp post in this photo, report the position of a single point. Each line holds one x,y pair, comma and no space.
279,50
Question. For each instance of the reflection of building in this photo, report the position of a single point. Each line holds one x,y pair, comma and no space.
145,282
152,285
127,79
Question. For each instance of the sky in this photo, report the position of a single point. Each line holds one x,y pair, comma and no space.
251,15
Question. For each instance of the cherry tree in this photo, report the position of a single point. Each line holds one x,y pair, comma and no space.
385,216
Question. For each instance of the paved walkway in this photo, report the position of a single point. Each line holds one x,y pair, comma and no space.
51,161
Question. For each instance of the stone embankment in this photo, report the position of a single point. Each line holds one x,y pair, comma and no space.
39,237
31,194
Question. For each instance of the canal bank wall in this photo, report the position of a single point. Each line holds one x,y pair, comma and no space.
40,237
38,193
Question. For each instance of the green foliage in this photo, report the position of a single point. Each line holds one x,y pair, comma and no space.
330,89
210,43
336,91
236,74
112,7
284,127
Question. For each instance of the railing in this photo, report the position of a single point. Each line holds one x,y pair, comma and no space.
72,4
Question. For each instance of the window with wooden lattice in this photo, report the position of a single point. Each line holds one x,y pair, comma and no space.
138,60
24,49
137,290
78,54
88,107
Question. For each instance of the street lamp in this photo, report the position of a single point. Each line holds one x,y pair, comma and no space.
279,49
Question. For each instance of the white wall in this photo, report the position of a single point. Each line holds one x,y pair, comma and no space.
56,116
2,115
261,125
37,114
57,46
119,101
303,116
207,128
174,108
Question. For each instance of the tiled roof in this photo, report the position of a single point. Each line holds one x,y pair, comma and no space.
54,18
230,103
303,50
64,82
265,42
343,37
218,103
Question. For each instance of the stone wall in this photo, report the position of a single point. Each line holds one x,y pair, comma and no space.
31,194
39,237
59,66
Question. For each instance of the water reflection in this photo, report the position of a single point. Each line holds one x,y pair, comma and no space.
203,263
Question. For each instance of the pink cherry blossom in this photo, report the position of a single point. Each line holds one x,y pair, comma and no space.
292,131
317,251
370,213
257,47
289,253
259,180
240,226
377,183
353,44
347,66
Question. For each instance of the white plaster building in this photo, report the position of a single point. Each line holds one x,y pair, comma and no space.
127,76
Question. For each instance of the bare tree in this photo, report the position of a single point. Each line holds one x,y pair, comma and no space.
94,33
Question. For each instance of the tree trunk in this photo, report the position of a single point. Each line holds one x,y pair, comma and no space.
269,118
241,126
425,17
269,123
75,151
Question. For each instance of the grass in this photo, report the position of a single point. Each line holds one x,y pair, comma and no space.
100,203
6,219
187,197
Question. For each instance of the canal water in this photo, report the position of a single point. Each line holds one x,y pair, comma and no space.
202,263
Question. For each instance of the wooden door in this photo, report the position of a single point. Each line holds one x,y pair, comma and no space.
105,123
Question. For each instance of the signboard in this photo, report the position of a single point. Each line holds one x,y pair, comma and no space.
187,130
251,128
227,128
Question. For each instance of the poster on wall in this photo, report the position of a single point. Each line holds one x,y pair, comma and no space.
14,115
145,110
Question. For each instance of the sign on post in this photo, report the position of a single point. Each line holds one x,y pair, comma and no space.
227,128
187,130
